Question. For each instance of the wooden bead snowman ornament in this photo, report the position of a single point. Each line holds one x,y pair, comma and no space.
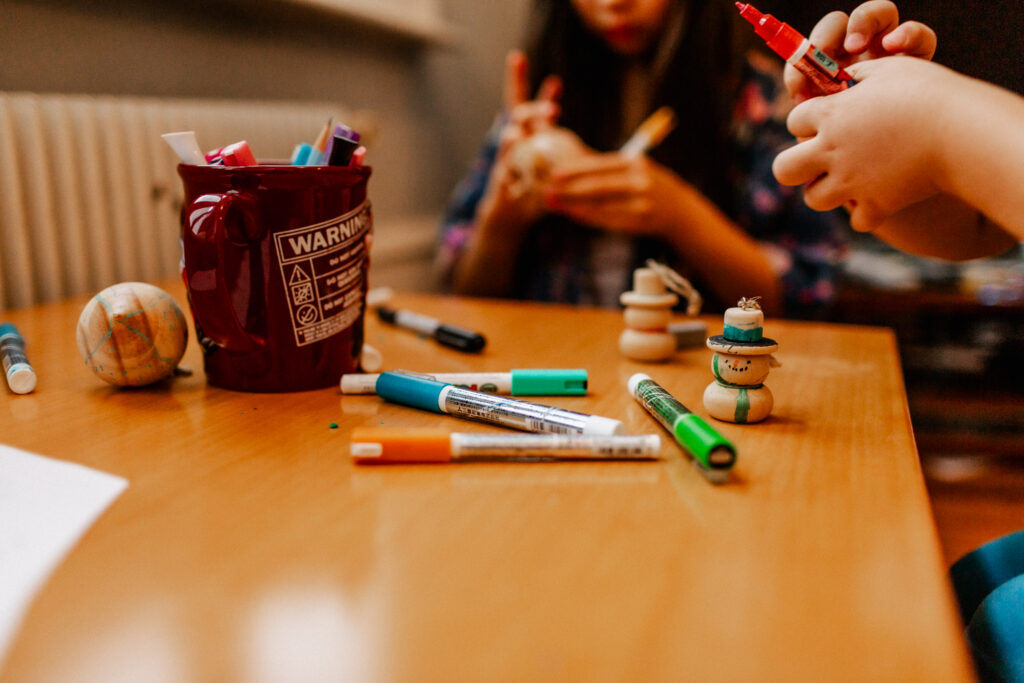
648,312
740,364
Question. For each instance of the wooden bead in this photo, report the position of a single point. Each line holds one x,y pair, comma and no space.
132,334
738,404
740,369
647,318
642,345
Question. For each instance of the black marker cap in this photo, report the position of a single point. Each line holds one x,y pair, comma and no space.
341,151
459,338
386,314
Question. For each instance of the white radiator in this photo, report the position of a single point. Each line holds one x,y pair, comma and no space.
89,194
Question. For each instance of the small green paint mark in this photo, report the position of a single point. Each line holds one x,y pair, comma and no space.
334,425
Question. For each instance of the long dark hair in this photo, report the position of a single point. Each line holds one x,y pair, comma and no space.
699,83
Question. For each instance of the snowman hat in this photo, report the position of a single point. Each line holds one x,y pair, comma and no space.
744,333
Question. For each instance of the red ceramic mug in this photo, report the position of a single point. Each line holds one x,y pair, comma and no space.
275,260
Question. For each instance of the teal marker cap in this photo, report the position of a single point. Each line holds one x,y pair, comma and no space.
410,390
549,382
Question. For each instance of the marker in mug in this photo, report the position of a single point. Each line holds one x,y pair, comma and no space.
713,455
186,147
341,151
527,382
382,446
449,335
21,378
440,397
823,71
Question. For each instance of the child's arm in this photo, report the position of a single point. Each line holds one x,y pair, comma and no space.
486,265
907,133
871,31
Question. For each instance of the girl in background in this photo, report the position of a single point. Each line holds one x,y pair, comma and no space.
703,201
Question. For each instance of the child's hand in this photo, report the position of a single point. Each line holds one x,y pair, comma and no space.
524,117
873,148
614,192
871,31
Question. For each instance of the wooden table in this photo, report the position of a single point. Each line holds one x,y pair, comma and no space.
248,548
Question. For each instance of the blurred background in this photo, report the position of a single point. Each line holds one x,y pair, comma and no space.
423,79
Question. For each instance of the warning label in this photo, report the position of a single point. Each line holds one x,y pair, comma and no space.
323,268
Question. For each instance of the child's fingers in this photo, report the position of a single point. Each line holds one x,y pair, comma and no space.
828,34
533,115
824,193
517,85
865,216
911,38
869,21
550,89
802,121
800,164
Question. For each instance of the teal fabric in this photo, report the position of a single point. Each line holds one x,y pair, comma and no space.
995,633
989,586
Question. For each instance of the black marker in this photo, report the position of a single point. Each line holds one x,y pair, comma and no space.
449,335
341,151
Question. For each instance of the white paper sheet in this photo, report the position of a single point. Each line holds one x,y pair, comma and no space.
45,507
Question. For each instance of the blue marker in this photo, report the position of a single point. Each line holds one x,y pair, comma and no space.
441,397
21,378
300,156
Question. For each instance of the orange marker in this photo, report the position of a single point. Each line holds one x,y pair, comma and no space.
382,445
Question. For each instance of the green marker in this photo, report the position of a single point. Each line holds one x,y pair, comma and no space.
712,453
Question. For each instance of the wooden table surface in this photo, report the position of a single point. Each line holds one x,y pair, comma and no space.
247,547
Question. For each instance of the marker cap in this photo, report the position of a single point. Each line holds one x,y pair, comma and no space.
603,426
410,390
459,338
549,382
382,445
21,379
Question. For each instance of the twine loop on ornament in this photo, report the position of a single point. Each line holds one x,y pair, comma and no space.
678,284
751,304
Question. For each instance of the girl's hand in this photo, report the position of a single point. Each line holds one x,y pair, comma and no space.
875,147
525,117
615,192
871,31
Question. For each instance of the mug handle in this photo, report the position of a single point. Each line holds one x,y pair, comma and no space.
206,219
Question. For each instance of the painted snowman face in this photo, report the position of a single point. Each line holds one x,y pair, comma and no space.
743,370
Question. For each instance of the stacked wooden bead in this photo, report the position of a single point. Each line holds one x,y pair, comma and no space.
740,365
647,315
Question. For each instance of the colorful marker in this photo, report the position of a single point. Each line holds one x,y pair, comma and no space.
381,446
300,155
540,382
650,133
449,335
238,154
713,455
186,147
823,71
341,130
441,397
21,378
341,151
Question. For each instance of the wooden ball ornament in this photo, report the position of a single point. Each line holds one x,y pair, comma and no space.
132,334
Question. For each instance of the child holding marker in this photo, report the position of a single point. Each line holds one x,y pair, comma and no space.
930,161
702,200
924,157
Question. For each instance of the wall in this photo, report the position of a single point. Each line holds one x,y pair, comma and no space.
434,102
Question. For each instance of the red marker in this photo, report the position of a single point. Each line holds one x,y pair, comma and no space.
823,71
